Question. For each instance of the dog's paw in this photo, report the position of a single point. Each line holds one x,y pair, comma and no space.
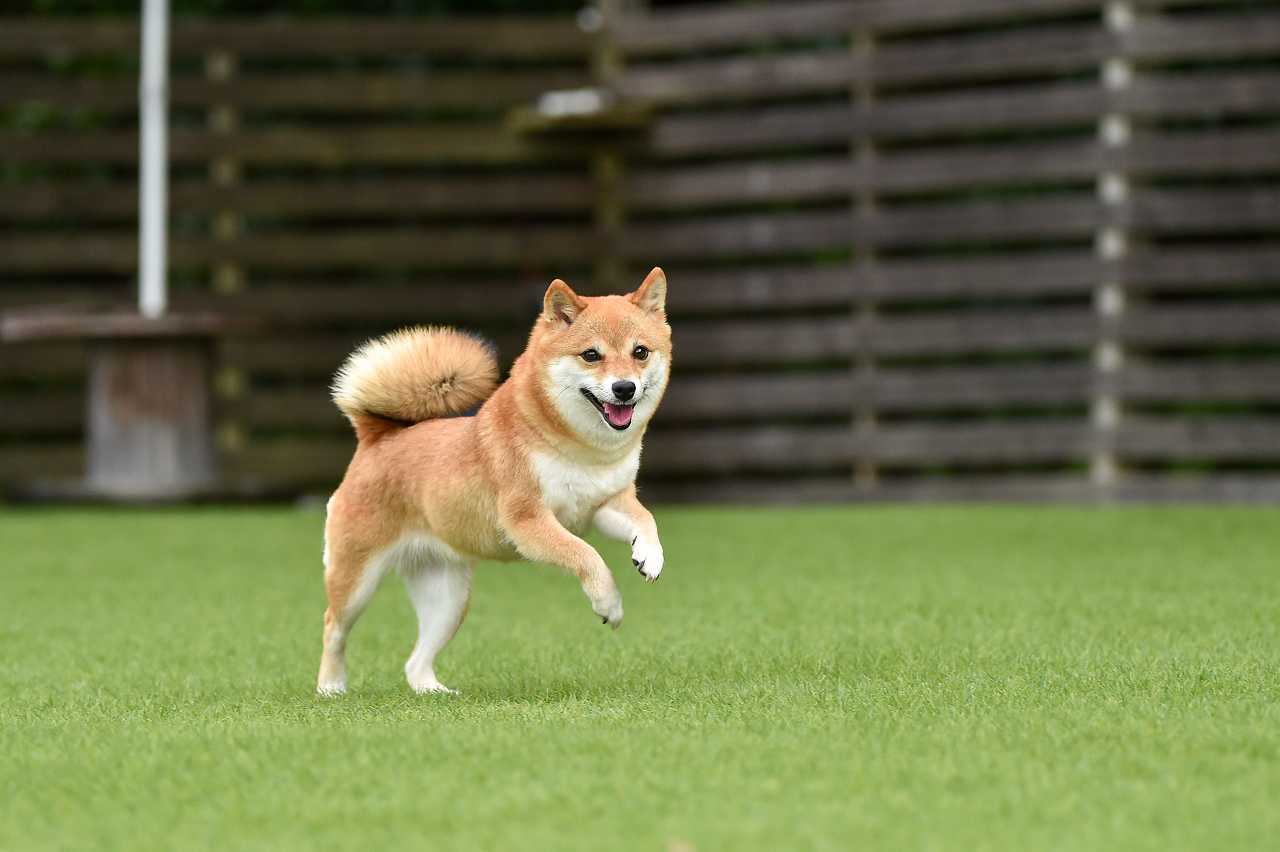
331,688
647,557
609,607
431,686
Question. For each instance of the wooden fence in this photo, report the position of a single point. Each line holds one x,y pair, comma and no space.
981,248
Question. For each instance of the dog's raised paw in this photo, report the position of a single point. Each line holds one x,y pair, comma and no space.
609,608
647,557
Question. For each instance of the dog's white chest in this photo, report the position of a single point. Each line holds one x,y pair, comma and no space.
573,492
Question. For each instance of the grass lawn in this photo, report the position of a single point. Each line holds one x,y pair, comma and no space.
881,678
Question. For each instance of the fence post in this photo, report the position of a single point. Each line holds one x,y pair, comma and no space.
865,269
1112,246
227,278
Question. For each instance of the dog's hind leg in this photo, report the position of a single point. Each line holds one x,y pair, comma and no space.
349,581
441,593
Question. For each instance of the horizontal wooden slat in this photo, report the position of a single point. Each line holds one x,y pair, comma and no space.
303,303
55,411
317,355
346,248
1220,152
296,461
903,389
311,199
819,178
489,37
919,116
826,393
1010,221
962,57
891,281
35,362
1258,487
1014,220
747,449
1016,442
453,142
1223,35
738,235
1044,330
1200,325
724,25
831,177
1217,438
1236,381
1040,273
1218,210
1205,267
324,92
291,408
22,464
760,288
706,343
1205,95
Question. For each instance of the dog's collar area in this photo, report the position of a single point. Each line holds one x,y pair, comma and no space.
617,415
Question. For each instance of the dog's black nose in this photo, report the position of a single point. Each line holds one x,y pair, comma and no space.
624,390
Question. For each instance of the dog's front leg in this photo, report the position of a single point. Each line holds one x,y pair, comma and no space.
538,536
625,518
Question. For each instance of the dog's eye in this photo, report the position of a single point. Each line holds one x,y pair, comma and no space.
590,356
640,353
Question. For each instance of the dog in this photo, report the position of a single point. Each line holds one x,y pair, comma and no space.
553,449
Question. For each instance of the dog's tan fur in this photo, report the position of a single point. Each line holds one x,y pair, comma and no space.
521,479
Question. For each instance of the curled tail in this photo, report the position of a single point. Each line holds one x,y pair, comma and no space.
414,374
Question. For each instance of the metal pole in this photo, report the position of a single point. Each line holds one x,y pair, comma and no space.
153,96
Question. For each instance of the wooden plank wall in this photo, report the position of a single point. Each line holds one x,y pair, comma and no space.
995,249
974,249
338,178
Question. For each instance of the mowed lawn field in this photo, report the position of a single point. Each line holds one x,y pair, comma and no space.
819,678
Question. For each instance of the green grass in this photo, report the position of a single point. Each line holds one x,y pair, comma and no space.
887,678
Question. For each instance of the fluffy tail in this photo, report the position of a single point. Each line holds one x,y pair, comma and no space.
411,375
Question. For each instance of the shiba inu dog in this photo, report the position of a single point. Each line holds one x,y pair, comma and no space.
552,450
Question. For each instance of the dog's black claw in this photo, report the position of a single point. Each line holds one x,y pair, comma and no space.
604,620
633,540
635,562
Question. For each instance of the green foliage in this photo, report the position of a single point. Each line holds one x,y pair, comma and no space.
991,678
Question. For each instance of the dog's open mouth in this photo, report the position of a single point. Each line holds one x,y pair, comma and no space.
617,416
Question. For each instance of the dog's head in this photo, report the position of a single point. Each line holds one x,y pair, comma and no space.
604,360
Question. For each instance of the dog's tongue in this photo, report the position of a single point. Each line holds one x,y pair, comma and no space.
619,415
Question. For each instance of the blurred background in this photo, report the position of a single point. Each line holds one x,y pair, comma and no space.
992,249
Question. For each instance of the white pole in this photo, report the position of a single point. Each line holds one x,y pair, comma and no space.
153,96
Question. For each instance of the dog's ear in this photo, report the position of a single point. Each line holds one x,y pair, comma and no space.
652,294
561,305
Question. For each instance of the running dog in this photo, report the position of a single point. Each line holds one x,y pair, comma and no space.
550,451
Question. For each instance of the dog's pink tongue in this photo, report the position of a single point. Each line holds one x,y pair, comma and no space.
619,415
